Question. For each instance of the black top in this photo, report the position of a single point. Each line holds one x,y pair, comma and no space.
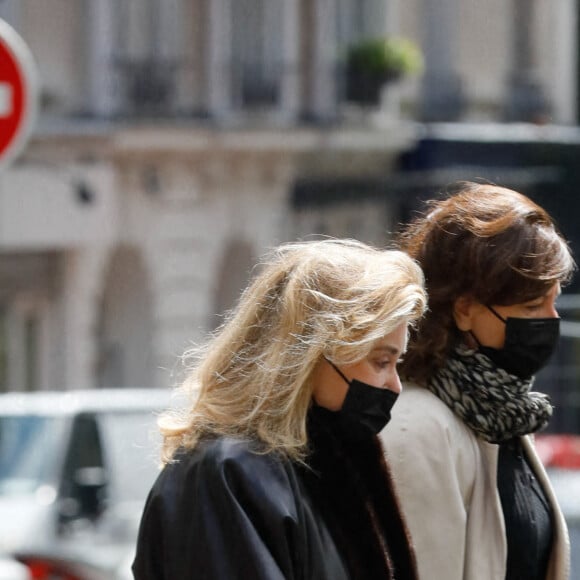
527,514
225,511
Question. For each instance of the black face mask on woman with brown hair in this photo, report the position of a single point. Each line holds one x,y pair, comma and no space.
529,343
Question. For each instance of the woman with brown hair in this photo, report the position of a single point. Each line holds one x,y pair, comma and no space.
275,471
476,498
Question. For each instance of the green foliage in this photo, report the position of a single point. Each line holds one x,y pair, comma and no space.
393,57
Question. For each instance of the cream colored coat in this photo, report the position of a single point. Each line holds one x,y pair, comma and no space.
446,481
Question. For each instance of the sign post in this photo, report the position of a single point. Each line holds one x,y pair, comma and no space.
18,93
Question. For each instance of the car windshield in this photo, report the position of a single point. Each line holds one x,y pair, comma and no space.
28,446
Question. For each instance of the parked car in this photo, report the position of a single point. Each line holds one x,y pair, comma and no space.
75,469
12,569
39,566
561,457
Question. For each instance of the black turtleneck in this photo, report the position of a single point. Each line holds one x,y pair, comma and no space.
527,514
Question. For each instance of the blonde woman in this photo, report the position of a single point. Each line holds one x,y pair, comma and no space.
275,472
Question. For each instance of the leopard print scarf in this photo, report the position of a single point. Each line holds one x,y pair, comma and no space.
496,405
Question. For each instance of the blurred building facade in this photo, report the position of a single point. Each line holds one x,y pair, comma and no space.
179,139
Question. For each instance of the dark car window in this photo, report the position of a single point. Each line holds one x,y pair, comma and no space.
85,445
84,482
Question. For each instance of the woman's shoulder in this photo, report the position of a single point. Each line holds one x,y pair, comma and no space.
222,449
425,438
223,475
420,399
418,411
227,458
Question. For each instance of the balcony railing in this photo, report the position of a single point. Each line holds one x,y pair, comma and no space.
147,86
160,87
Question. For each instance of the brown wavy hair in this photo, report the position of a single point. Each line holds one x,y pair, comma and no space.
485,241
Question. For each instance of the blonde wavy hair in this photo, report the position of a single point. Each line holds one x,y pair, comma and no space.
332,298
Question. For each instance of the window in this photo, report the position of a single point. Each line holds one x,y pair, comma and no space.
146,54
257,65
22,323
29,451
84,479
4,381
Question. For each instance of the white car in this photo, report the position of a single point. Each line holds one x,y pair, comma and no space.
11,569
75,470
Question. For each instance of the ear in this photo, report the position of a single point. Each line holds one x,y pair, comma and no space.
463,309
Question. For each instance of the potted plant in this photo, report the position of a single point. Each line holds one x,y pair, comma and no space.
371,63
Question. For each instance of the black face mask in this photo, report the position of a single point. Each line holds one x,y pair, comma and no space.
366,409
529,343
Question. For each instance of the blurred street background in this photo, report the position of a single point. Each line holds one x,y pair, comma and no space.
177,140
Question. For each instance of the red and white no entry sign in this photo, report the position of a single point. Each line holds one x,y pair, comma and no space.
18,93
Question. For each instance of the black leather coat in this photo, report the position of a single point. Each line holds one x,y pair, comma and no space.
225,512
